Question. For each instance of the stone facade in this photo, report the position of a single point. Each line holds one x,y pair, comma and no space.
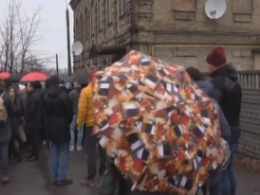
174,30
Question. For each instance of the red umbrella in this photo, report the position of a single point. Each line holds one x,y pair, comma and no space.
5,75
34,76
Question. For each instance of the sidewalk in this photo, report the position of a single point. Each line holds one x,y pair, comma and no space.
32,178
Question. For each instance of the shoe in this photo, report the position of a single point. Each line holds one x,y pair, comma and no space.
72,148
64,182
79,148
29,156
33,158
5,178
87,183
16,160
54,183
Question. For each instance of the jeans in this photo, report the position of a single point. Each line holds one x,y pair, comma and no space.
91,143
73,127
4,157
59,160
212,186
228,179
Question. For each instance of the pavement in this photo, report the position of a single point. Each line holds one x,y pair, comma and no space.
33,178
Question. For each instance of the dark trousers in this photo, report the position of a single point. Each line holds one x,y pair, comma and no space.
35,141
4,157
91,142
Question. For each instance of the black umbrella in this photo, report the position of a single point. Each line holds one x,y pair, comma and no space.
82,77
15,77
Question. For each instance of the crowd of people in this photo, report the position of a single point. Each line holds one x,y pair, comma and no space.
30,114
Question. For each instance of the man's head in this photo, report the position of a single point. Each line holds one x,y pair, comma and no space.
216,58
54,80
31,86
91,75
76,82
195,74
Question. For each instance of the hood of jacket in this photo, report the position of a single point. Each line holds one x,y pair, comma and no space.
54,92
226,71
207,87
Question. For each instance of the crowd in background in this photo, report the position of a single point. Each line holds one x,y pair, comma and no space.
54,113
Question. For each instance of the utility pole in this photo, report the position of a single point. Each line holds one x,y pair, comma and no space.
57,64
68,41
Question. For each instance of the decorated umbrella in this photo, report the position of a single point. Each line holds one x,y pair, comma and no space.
34,76
4,75
160,128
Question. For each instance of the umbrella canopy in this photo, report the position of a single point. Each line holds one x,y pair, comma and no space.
15,77
5,75
160,128
34,76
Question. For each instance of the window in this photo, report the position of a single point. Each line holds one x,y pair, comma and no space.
81,27
92,20
122,6
101,14
109,11
76,31
87,24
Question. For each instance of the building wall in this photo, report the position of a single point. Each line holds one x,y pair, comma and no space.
100,23
180,31
174,30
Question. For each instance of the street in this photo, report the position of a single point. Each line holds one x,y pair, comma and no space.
33,178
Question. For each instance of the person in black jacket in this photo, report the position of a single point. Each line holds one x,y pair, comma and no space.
5,133
33,118
228,94
59,113
16,122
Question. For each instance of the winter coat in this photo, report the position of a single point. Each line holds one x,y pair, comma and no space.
228,94
86,107
74,98
59,114
209,89
33,117
5,128
16,121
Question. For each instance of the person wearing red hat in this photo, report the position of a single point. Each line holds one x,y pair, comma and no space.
86,116
228,93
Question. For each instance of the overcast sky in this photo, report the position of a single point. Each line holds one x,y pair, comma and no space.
52,27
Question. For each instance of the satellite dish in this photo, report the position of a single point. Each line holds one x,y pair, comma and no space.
77,48
215,9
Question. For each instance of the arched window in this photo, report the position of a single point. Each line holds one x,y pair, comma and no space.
122,6
109,11
87,24
76,32
81,27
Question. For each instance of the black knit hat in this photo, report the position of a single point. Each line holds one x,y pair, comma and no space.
195,74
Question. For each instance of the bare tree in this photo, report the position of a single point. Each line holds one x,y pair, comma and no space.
18,36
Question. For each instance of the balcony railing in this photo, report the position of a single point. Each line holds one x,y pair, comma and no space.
248,79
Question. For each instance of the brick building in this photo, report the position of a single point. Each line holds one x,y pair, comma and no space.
174,30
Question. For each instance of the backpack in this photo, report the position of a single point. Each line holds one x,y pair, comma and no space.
226,153
3,113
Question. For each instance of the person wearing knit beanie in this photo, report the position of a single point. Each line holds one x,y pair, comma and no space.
216,58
